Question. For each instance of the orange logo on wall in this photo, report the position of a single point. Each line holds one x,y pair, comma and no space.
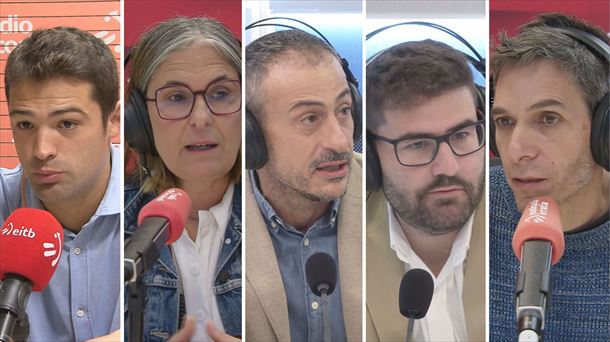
19,18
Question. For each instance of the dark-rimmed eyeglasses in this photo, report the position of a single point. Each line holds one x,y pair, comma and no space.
175,102
420,151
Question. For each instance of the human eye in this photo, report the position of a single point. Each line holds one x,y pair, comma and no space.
24,125
415,145
345,111
310,119
460,135
549,119
503,121
67,124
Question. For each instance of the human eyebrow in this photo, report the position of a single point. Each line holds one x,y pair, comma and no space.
345,92
55,112
223,77
451,129
546,103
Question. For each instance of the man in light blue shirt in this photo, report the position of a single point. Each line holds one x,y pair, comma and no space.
62,89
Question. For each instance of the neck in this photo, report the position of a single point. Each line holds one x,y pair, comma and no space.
73,214
204,195
293,207
589,204
433,250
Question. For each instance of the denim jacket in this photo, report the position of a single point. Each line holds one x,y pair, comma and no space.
163,307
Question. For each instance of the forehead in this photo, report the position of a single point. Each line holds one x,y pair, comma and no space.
50,92
194,63
295,75
434,116
520,86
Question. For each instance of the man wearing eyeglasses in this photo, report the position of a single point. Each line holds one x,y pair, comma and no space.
425,181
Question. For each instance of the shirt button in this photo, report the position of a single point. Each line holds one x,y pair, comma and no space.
227,241
77,252
80,313
314,305
306,242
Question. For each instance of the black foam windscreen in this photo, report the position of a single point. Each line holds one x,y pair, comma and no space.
416,288
321,272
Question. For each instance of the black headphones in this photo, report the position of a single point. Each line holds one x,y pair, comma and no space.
599,121
256,150
374,176
138,130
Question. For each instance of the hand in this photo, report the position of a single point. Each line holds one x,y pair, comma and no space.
218,336
114,336
186,332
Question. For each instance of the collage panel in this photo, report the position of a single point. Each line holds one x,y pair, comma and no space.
183,171
60,171
549,188
425,204
304,172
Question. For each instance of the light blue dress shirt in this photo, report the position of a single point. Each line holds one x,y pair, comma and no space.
292,249
82,299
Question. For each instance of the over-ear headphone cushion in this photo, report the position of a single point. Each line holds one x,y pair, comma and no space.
256,146
373,168
138,131
356,110
599,133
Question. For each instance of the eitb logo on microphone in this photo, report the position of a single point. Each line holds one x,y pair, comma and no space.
10,230
537,212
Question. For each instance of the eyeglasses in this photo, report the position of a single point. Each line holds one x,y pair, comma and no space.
422,151
176,102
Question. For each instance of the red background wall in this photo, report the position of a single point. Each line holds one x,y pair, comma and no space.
19,17
509,15
141,14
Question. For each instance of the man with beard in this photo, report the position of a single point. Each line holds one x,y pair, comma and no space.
303,192
550,93
425,177
62,90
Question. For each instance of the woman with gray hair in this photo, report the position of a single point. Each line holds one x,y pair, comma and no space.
183,120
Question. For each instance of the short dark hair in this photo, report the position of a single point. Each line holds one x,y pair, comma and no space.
409,73
266,51
66,52
539,40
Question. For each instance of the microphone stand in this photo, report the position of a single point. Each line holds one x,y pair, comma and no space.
409,337
323,288
135,306
14,294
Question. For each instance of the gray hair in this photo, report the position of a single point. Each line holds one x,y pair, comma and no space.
159,42
266,51
539,40
154,47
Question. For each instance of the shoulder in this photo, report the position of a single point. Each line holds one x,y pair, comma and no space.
134,199
10,195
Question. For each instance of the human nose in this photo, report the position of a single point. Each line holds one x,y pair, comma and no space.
201,115
45,146
445,162
520,145
336,136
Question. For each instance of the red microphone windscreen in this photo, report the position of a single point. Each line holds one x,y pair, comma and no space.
540,221
174,205
31,242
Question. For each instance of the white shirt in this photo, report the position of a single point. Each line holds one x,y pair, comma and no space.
445,320
197,264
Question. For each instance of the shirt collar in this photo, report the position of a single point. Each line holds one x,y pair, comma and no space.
273,219
401,246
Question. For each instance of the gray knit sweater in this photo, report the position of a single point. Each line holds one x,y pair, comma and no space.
580,302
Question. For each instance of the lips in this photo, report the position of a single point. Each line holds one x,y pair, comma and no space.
201,146
48,176
527,182
446,189
332,169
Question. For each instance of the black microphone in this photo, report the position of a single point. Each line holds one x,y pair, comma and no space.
321,272
160,222
414,297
